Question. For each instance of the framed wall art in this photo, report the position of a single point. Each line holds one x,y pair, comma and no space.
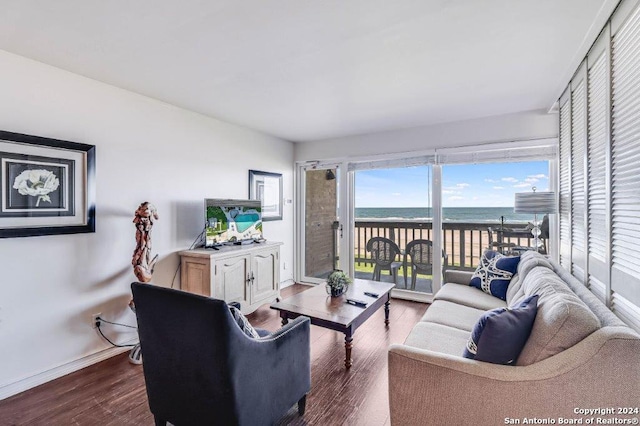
47,186
267,187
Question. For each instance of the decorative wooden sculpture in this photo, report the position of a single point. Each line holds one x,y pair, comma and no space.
142,263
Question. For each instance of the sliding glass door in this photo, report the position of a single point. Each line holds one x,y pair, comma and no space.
408,220
393,227
321,228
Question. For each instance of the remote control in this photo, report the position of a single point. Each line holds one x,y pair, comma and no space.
368,293
356,302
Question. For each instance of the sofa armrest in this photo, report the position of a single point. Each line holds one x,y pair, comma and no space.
432,387
457,277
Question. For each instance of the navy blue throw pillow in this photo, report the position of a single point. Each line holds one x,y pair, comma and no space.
500,334
494,273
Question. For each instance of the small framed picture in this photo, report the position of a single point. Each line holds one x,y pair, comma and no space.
47,186
267,187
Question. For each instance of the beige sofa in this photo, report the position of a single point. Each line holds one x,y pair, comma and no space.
579,356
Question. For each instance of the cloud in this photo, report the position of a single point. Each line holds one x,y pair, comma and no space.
462,185
538,176
396,194
449,191
531,180
491,180
522,185
498,187
510,179
455,198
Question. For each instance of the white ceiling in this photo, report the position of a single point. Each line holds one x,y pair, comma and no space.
306,70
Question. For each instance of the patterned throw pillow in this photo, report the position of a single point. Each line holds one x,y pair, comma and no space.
243,323
494,273
500,334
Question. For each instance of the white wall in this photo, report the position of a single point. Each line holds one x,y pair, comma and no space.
146,151
505,128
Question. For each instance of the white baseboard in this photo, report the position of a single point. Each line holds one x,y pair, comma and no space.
27,383
287,283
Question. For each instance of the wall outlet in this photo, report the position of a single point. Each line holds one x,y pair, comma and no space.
95,320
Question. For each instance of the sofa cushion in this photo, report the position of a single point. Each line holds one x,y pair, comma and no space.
453,315
494,273
528,261
500,334
466,295
562,319
438,338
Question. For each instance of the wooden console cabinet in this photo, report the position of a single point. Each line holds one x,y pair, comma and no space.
248,274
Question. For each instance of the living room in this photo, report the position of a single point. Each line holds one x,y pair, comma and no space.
177,116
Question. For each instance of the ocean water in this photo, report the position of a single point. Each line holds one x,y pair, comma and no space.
449,214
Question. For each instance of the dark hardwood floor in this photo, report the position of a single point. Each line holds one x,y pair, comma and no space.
112,392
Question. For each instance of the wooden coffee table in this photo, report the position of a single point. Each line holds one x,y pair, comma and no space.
334,312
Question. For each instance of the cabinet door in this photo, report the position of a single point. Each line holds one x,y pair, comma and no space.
196,276
266,271
232,277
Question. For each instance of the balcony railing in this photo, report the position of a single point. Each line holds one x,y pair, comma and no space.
463,242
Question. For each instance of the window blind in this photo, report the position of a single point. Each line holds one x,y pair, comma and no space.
578,134
597,145
625,158
419,160
565,182
542,149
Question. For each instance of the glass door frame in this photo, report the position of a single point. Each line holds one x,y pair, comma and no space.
345,218
346,214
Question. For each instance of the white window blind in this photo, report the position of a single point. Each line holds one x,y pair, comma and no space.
597,145
625,160
541,149
565,183
419,160
578,133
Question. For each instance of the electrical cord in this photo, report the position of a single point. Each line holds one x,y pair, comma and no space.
109,340
115,323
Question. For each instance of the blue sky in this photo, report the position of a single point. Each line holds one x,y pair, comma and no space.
468,185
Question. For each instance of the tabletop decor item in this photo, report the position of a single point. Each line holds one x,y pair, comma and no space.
337,283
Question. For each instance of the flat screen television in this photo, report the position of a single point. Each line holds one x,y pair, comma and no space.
232,221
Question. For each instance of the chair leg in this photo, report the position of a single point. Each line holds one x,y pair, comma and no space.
159,422
302,405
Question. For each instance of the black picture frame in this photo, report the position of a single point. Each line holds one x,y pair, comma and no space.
47,186
267,187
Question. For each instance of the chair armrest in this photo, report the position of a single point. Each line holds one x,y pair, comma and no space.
457,277
277,366
296,323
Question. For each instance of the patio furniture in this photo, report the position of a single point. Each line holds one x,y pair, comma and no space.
384,253
419,255
201,368
503,233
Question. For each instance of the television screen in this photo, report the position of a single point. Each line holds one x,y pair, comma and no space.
230,221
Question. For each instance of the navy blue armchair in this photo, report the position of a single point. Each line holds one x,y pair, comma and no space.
201,369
